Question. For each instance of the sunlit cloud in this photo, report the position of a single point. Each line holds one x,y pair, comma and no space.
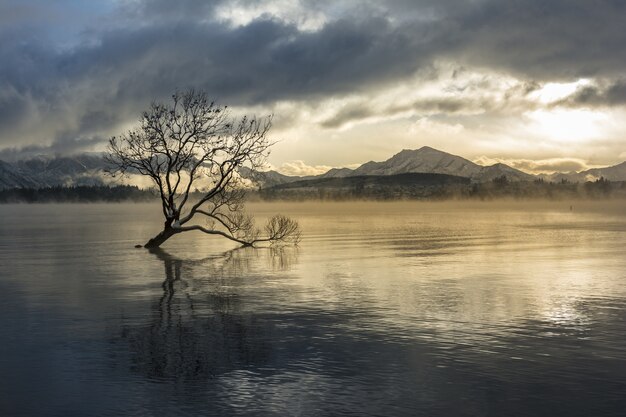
435,128
551,92
299,168
538,166
449,91
241,13
602,93
564,125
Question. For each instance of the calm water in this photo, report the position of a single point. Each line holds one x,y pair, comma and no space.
384,309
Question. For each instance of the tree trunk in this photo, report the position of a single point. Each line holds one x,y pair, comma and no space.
159,239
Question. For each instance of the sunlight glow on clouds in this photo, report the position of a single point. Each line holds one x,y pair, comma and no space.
538,166
300,168
460,92
465,111
552,92
564,125
430,127
241,13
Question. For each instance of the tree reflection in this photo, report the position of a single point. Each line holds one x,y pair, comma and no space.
202,324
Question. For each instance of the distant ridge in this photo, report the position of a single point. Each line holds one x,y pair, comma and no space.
373,180
50,171
422,160
494,171
406,185
425,160
612,173
88,169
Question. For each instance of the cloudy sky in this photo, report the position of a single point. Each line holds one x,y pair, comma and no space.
538,84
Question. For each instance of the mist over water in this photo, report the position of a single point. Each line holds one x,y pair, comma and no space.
438,309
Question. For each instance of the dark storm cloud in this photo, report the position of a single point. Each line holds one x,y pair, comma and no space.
603,95
549,40
13,107
258,63
349,114
363,111
146,49
469,99
167,10
63,146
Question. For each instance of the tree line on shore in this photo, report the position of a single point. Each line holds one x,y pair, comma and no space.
498,188
77,194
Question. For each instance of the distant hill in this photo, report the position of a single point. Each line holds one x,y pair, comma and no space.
11,177
422,160
337,173
433,161
612,173
88,169
425,186
376,180
76,194
266,178
45,171
408,185
491,172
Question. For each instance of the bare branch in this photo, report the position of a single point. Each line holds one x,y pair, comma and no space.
194,142
281,228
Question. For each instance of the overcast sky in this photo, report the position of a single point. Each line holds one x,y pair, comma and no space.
538,84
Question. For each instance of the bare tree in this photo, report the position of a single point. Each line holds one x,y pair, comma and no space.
193,144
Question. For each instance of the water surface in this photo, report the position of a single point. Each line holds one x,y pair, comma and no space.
384,309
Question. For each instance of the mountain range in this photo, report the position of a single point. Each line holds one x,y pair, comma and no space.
88,169
48,171
433,161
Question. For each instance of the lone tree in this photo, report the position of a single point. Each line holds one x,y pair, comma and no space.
193,144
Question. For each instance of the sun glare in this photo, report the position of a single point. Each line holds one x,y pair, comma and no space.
566,125
551,92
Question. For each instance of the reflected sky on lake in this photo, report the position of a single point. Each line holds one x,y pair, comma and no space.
384,309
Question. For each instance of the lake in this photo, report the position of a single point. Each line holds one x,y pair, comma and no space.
384,309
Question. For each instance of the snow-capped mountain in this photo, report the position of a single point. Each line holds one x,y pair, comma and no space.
612,173
432,161
267,177
422,160
337,173
425,160
492,172
11,177
46,171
